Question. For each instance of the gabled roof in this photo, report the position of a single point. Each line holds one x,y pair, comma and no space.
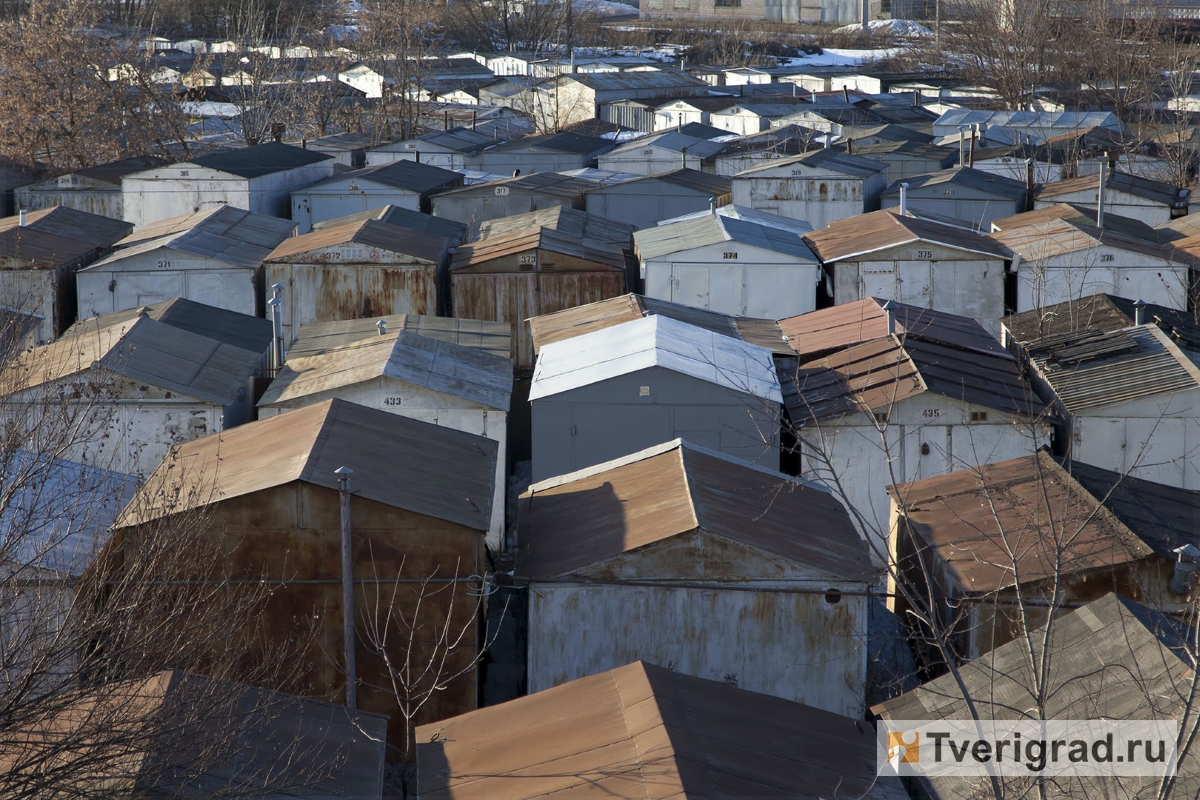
964,176
1124,226
427,247
478,256
260,160
563,142
404,463
648,732
888,132
827,158
1104,313
222,233
1033,510
1090,370
219,324
551,183
146,350
874,375
589,229
781,142
42,250
463,372
113,171
405,218
655,341
695,146
403,174
581,520
1056,236
758,217
690,179
712,228
1145,188
68,223
322,337
597,316
880,230
666,80
906,148
828,329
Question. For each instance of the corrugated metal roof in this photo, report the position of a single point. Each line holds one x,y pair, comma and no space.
888,132
754,215
145,350
1091,370
906,148
463,372
321,337
644,731
1180,228
713,228
577,521
667,79
1056,236
370,233
113,171
551,183
42,250
56,513
219,324
676,142
590,229
1030,509
781,142
224,233
400,462
977,179
69,223
828,329
876,374
1126,226
563,142
826,158
403,174
1145,188
1101,312
597,316
880,230
655,341
479,256
260,160
716,185
405,218
1029,119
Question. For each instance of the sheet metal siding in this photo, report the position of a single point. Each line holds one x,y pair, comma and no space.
1100,270
794,646
613,418
309,208
1156,449
951,201
866,461
652,161
49,293
647,205
818,201
164,274
735,279
438,408
475,209
335,290
105,201
514,298
1115,202
450,160
505,163
944,281
293,532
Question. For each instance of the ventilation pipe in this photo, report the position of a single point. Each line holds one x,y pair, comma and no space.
846,93
382,326
1028,183
1139,312
849,147
971,155
889,308
276,304
343,479
962,145
21,220
1100,193
904,199
1184,578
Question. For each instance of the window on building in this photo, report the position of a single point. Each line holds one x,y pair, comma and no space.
727,3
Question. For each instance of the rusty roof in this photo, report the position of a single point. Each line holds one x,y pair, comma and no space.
370,233
143,349
828,329
692,179
1047,515
1100,312
69,223
588,228
477,256
405,218
573,523
1181,227
223,233
403,174
1146,188
404,463
1126,226
321,337
1091,370
873,375
603,314
880,230
1057,236
437,365
977,179
648,732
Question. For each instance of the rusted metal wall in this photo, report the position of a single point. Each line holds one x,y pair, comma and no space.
796,646
290,536
515,297
77,194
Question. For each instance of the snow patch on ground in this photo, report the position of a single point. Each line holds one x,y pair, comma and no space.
896,27
605,8
838,57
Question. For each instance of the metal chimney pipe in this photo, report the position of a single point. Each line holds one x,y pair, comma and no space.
382,326
962,146
21,218
904,199
1139,312
846,93
1100,195
971,155
343,480
849,147
889,308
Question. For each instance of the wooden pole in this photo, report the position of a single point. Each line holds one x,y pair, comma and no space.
344,474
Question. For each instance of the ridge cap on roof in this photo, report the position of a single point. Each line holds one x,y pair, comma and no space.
313,450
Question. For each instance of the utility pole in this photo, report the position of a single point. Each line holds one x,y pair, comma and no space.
343,478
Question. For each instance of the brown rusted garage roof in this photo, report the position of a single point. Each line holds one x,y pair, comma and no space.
577,321
820,332
879,230
1029,510
605,256
647,732
320,337
371,233
585,227
431,470
1105,313
588,517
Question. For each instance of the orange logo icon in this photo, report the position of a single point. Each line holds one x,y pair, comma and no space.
904,748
